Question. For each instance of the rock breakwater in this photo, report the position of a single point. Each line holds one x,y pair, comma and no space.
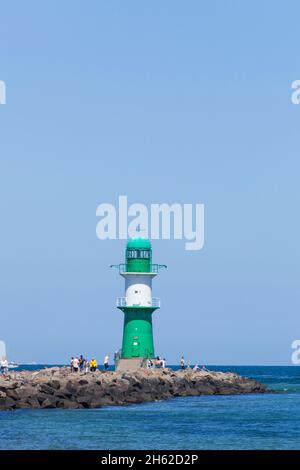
58,387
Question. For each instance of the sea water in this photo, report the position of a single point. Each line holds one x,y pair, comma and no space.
253,421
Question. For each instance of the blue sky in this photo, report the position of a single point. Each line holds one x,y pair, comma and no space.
170,101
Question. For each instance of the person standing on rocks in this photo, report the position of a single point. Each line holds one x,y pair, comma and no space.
86,366
106,362
93,365
149,364
4,366
182,362
75,364
81,363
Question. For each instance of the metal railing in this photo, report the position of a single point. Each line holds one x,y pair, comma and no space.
123,302
154,268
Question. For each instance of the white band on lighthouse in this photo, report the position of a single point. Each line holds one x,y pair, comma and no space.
138,290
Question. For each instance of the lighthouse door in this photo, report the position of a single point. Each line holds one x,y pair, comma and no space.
135,347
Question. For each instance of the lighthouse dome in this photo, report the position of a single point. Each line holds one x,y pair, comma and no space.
139,244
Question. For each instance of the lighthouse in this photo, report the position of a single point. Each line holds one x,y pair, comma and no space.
138,304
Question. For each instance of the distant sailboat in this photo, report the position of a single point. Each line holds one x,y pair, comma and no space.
4,363
2,351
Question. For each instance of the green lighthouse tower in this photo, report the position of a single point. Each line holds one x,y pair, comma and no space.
138,304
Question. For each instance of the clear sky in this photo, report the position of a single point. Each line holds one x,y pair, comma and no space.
164,102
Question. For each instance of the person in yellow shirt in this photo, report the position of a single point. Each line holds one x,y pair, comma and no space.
93,365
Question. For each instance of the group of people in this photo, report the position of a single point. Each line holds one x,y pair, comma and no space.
184,366
82,364
157,362
160,363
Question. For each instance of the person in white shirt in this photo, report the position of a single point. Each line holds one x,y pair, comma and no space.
75,364
149,364
106,362
4,366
